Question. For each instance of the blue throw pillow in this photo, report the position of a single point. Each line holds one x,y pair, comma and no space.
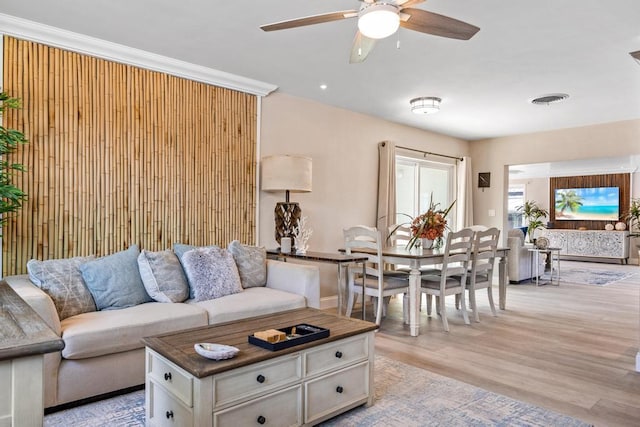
114,280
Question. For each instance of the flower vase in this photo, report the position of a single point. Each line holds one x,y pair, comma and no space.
426,243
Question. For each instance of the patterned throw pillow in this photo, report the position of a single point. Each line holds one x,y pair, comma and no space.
62,281
114,280
162,276
212,273
251,262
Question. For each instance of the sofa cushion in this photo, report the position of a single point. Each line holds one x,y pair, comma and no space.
62,280
251,262
252,302
162,276
211,272
114,280
114,331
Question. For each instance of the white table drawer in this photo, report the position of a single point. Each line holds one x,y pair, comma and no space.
166,410
283,408
253,380
337,390
332,356
174,379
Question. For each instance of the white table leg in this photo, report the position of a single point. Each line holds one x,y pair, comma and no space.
414,301
342,280
502,282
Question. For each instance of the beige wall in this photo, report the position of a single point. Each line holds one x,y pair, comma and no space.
343,146
495,155
536,189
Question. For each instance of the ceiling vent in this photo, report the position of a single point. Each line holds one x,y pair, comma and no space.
550,99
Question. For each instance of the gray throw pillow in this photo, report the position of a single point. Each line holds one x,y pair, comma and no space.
162,276
251,262
114,280
212,273
62,281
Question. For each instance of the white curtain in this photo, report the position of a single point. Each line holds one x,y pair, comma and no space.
386,212
465,194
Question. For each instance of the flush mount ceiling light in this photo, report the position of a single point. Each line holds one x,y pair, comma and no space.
425,105
549,99
379,20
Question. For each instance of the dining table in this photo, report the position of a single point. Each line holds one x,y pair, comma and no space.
416,258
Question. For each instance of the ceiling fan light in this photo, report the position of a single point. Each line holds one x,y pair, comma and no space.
379,20
425,105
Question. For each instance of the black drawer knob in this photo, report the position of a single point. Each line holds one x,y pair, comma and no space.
339,389
169,414
260,378
261,420
339,354
167,376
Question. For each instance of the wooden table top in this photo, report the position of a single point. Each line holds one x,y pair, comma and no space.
22,331
178,347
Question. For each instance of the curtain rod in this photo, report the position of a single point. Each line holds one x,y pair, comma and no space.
428,153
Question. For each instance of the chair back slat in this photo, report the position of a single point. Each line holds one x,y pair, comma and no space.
485,245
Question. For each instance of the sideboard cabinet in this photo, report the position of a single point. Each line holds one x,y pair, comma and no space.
589,243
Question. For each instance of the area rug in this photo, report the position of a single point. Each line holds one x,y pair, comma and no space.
597,277
404,396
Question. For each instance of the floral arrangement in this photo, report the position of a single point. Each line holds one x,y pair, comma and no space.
429,225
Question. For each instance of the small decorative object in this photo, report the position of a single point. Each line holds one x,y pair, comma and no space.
542,243
215,351
621,226
285,245
582,228
608,227
301,235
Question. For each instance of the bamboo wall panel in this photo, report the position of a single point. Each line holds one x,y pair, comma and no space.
620,180
120,155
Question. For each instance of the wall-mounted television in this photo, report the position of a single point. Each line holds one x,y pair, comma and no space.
587,204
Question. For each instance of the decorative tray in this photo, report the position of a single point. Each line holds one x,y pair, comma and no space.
295,335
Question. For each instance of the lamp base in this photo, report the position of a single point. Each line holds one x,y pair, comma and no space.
286,216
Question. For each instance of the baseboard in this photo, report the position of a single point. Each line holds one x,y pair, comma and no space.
329,302
638,362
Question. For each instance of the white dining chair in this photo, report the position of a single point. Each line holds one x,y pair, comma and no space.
452,277
480,274
377,284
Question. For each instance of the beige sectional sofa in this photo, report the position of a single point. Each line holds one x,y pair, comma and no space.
103,352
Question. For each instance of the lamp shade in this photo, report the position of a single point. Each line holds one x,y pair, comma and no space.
286,173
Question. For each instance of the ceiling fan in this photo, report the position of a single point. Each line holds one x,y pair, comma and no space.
378,19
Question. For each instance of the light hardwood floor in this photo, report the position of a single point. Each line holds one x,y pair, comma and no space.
570,348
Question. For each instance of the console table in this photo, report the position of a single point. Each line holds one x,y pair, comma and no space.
338,258
24,339
590,243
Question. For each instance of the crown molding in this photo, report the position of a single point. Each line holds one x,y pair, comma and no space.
63,39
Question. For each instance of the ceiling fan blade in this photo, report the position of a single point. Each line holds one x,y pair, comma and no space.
408,3
437,25
361,48
310,20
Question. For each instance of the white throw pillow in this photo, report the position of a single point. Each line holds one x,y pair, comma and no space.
162,276
211,272
251,262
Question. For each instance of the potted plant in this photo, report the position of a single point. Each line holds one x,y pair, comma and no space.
533,215
633,216
11,197
429,226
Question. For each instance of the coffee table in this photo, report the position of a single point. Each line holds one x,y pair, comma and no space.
300,385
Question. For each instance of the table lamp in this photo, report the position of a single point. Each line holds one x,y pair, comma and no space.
289,174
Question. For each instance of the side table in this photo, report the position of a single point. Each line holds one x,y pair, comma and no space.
338,258
554,253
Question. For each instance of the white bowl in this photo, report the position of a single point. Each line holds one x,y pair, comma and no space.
215,351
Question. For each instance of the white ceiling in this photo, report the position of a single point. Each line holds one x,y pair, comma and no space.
524,49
